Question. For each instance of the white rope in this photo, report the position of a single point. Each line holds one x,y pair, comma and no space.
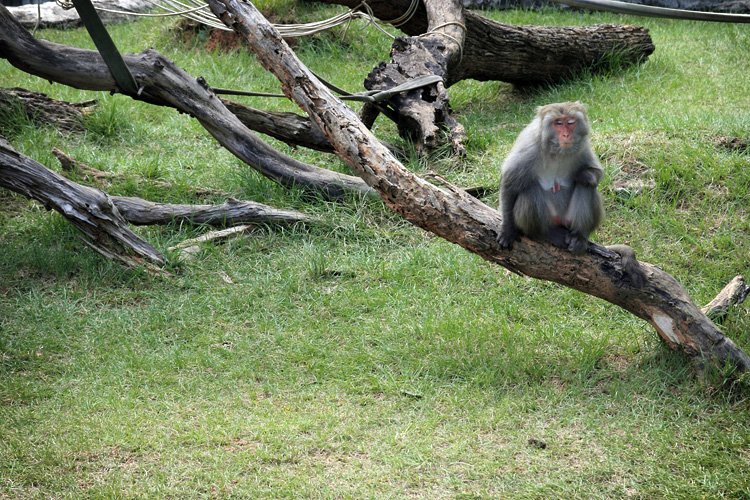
198,10
434,31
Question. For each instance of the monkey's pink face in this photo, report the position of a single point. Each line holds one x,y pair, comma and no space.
565,127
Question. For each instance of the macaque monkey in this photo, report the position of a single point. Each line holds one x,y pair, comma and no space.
548,187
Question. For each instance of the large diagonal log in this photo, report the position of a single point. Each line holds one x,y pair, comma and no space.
163,83
464,220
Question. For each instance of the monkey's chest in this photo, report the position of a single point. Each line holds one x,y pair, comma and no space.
557,193
554,183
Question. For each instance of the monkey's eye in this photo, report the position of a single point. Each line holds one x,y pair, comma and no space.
558,122
571,121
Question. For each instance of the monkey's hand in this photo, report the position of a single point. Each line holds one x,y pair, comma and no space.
508,234
587,177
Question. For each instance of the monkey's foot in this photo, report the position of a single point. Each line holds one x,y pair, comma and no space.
506,238
577,243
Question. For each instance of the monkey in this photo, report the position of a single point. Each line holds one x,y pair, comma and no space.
548,188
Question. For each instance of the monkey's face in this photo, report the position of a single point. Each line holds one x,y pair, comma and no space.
565,128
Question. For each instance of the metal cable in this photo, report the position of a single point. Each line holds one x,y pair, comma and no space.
651,11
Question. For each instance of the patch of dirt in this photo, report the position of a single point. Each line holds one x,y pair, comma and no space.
734,144
633,175
241,444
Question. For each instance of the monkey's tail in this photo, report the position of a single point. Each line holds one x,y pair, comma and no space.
630,265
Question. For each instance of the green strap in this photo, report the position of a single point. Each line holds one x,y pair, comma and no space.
106,47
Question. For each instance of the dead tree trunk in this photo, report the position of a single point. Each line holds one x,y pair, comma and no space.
447,41
464,220
423,112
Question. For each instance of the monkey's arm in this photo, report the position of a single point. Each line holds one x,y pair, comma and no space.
590,172
508,230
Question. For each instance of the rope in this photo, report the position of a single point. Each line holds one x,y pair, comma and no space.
198,11
404,18
451,37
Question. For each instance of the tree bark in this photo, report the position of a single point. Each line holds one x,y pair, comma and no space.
290,128
423,112
163,83
464,220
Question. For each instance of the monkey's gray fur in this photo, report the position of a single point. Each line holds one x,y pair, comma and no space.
548,191
545,187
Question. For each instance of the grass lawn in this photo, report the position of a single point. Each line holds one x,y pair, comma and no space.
363,357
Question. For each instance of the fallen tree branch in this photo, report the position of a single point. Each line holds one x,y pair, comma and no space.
734,293
88,209
290,128
220,235
89,173
147,213
189,248
103,219
464,220
43,110
163,83
144,213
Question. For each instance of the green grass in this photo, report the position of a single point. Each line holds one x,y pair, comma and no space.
364,358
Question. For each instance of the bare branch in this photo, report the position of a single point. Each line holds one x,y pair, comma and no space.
143,213
733,294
